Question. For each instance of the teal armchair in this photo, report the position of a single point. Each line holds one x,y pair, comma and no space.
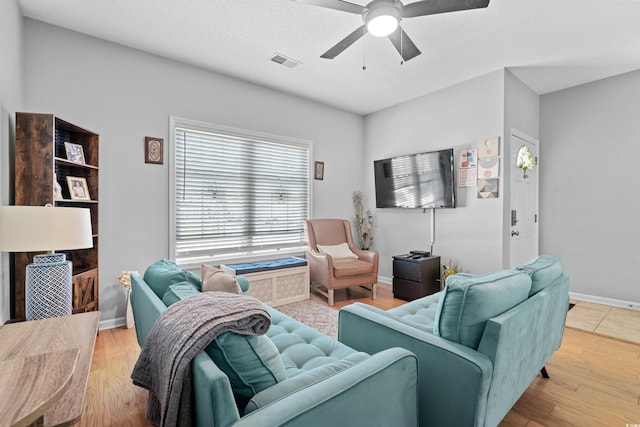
471,379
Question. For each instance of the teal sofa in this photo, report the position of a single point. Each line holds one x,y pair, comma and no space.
325,382
480,342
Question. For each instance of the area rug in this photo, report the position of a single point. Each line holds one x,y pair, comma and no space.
318,316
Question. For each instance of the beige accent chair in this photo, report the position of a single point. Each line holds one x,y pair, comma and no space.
329,273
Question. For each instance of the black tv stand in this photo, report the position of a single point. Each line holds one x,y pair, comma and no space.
415,276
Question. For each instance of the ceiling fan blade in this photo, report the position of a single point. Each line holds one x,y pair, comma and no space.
345,43
344,6
404,45
431,7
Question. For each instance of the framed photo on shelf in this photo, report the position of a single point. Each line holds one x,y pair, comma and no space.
153,150
75,153
78,189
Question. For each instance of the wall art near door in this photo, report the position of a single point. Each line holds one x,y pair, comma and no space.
488,188
468,158
489,167
467,177
489,147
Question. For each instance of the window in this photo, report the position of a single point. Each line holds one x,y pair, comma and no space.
236,193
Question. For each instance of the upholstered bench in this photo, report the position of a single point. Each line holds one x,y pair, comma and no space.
275,282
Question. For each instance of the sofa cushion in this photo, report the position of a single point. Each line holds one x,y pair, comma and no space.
469,301
215,279
420,313
340,251
179,291
160,275
299,382
251,362
543,271
351,267
303,348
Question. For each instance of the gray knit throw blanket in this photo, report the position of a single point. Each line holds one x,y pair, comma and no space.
179,334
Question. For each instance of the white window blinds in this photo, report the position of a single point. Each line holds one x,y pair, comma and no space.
238,194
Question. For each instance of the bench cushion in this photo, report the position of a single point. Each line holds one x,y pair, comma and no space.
469,301
255,267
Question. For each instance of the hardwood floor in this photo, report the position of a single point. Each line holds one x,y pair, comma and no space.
595,380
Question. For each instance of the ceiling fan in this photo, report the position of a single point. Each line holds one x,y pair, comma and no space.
382,18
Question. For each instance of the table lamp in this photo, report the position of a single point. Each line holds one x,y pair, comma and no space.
48,287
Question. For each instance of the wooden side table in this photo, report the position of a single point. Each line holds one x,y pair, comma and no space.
40,345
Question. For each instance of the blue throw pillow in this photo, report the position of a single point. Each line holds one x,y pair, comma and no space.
160,275
251,362
543,271
178,292
469,301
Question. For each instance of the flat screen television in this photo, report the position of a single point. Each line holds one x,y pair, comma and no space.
423,180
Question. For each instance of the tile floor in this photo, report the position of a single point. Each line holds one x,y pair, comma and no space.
605,320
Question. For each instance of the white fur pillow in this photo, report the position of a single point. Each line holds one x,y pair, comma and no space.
214,279
340,251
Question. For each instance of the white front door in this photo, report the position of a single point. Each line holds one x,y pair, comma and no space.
523,230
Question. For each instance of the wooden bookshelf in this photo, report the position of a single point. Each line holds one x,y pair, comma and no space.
40,153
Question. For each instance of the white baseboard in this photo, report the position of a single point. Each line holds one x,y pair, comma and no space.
630,305
387,280
112,323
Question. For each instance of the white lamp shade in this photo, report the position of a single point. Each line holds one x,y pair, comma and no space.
39,228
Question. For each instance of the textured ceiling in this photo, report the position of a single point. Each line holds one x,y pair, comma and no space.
549,44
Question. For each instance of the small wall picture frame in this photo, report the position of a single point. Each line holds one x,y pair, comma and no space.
153,152
78,189
75,153
467,177
319,170
468,158
488,188
489,147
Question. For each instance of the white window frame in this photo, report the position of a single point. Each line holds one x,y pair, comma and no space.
176,122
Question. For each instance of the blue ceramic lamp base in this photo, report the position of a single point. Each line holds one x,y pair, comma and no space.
48,287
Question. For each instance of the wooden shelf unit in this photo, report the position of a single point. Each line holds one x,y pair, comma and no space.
40,152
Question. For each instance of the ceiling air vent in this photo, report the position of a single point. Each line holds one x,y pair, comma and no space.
283,60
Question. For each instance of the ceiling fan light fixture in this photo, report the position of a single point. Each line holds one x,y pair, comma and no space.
382,21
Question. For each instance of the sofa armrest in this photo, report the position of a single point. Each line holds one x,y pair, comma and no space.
320,266
213,396
368,256
146,306
453,379
379,391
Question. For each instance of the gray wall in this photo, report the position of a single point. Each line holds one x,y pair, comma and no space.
11,99
457,117
589,203
125,95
